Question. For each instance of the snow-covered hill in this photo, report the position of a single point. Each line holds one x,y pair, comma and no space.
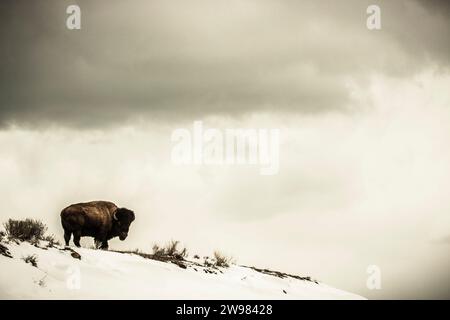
80,273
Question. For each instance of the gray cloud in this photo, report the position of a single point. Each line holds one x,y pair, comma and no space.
353,190
183,59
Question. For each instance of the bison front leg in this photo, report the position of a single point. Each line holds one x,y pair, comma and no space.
97,243
101,241
101,244
104,245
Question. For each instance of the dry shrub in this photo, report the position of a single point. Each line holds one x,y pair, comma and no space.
25,230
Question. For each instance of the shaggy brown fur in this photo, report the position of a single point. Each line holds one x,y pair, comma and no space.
102,220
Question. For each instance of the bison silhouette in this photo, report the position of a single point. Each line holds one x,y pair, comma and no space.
102,220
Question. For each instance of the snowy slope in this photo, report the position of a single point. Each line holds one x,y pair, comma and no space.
112,275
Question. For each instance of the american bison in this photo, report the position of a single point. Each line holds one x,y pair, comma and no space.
101,220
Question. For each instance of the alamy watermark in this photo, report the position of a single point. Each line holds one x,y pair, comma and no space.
73,279
212,146
73,21
373,21
374,279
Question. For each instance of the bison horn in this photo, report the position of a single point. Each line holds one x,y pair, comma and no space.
114,216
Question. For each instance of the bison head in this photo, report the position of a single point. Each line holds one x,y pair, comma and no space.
122,220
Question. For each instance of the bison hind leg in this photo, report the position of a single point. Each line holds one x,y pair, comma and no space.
76,238
67,235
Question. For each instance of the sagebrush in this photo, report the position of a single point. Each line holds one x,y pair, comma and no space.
170,250
221,260
51,241
25,230
31,259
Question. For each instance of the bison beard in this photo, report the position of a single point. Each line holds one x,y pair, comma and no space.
101,220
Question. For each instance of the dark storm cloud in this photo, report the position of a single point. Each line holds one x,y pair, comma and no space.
438,6
170,59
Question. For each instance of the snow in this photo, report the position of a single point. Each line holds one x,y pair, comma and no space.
112,275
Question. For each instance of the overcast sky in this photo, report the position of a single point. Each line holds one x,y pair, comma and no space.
364,118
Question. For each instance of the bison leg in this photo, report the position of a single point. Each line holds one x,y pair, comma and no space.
104,245
97,243
101,244
102,240
67,235
76,238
